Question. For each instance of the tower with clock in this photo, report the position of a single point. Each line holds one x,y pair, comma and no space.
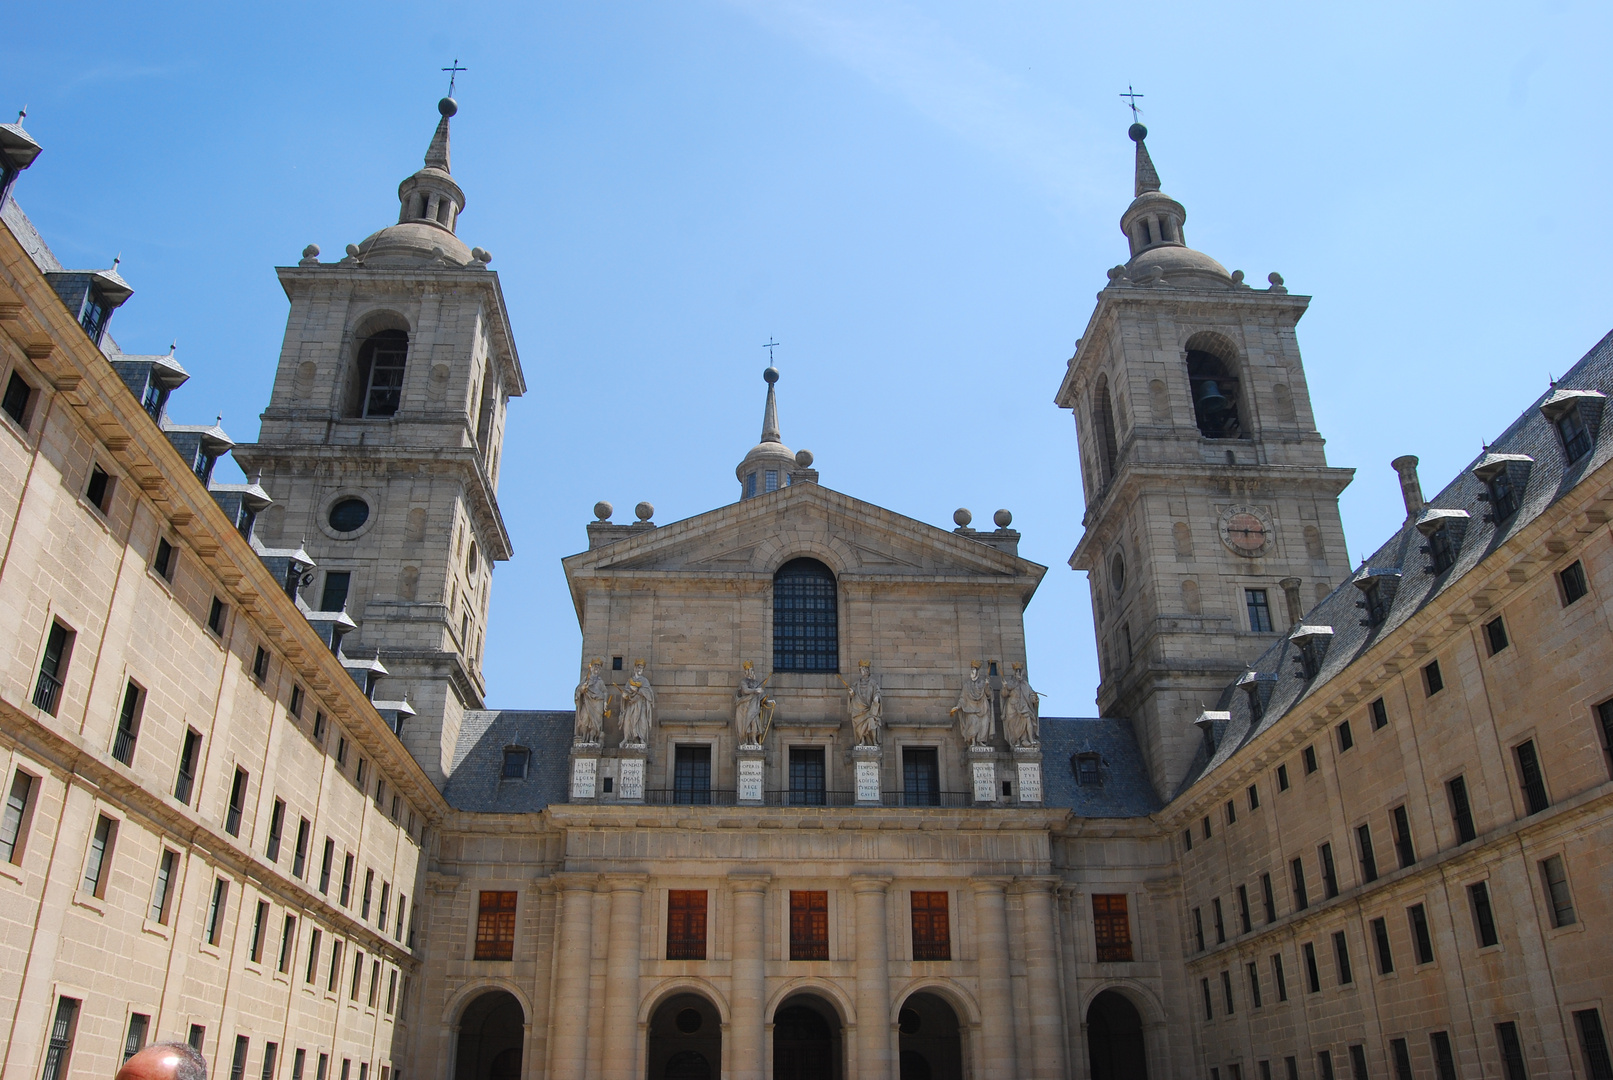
1212,520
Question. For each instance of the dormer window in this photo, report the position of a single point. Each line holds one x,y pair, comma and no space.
1503,496
1444,530
1088,768
1378,588
1441,550
515,762
1576,414
155,397
1505,476
1377,608
1575,435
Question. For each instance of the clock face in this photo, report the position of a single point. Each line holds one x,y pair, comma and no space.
1246,530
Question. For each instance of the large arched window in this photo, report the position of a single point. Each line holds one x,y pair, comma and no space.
806,623
380,373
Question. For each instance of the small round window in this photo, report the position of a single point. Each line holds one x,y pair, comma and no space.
349,515
471,562
1117,572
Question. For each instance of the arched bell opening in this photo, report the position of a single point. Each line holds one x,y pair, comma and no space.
1115,1047
491,1031
1212,377
930,1039
685,1040
808,1043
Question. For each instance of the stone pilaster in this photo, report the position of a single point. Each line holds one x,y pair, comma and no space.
622,975
747,982
998,1058
874,1057
1042,977
573,975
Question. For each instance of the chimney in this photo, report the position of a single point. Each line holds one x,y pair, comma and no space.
1410,489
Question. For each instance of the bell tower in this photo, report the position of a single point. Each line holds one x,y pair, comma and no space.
381,444
1212,520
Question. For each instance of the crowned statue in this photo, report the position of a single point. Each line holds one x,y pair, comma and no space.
973,709
863,698
750,700
638,707
1022,709
593,699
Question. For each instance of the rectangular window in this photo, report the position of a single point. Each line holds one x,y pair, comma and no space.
1444,1057
15,402
215,910
375,983
341,751
1369,861
1433,681
921,776
1380,714
347,879
1380,939
14,819
59,1049
770,480
1209,1005
686,924
1330,874
809,925
335,966
1309,754
1259,610
807,777
314,940
403,905
258,919
1254,797
1554,875
1232,813
1346,739
299,1061
1404,849
1254,984
232,819
1530,778
162,886
1324,1064
1226,991
1506,1035
691,775
1495,635
1313,974
1111,927
369,886
288,944
1297,869
277,817
1341,957
1243,909
1604,713
1422,941
1573,580
495,926
188,758
334,596
380,912
299,854
164,561
238,1063
1478,898
1220,923
1279,976
1461,811
1198,927
53,669
1291,1066
294,706
391,993
216,615
1282,778
325,865
1401,1053
356,983
1593,1044
271,1051
1206,826
1187,839
932,927
260,664
135,1040
97,864
128,723
1268,898
319,727
1358,1054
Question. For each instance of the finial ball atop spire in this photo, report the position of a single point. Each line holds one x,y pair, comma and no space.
770,376
1137,133
448,106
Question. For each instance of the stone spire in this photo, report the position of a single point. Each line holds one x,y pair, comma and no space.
1147,176
430,195
429,205
768,465
1153,227
770,410
437,152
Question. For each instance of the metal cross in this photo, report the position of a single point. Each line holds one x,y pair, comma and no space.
1130,93
769,347
453,73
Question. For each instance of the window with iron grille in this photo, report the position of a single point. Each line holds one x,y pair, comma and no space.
806,634
232,818
809,925
188,757
515,762
1421,939
1554,875
1444,1056
691,775
135,1040
59,1050
1506,1034
53,668
128,723
495,926
921,776
1401,1053
95,865
686,924
1593,1044
932,928
807,778
1461,810
1530,778
258,920
1573,581
12,820
238,1062
215,910
1111,927
271,1051
161,888
1358,1062
1324,1064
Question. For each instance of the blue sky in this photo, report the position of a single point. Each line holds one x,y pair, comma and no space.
918,201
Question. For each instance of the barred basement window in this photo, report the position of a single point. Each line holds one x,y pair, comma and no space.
495,926
809,925
686,924
59,1050
238,1063
932,931
805,617
1111,927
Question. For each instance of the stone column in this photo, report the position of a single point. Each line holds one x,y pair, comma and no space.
997,1056
621,976
573,974
874,1058
1042,978
747,983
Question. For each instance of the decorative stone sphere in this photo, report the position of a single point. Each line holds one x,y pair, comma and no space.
352,250
1003,519
962,517
603,510
1137,133
770,376
803,458
448,106
311,251
481,255
644,511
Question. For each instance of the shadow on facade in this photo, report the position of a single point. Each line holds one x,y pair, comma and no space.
1115,1038
930,1044
491,1030
807,1041
685,1039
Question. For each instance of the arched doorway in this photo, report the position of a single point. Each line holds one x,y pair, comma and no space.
1115,1039
685,1040
807,1043
491,1030
930,1044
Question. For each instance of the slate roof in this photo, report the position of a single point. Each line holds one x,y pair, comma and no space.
1126,790
1550,477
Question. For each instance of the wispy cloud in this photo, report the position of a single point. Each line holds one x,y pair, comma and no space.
115,73
907,53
